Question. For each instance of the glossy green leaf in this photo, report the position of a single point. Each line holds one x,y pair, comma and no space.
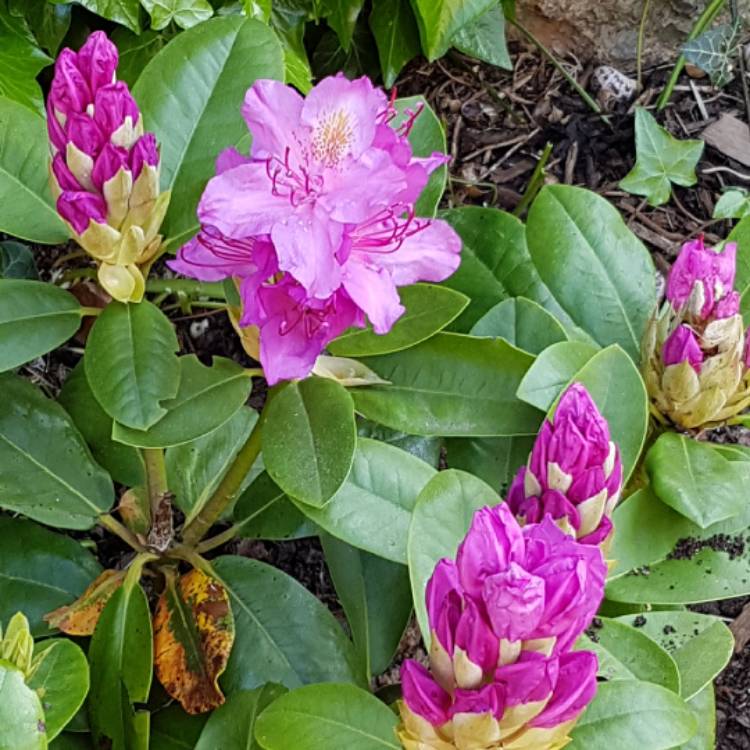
232,726
450,385
741,235
26,207
136,51
523,323
40,571
207,398
309,437
733,204
703,708
322,717
696,480
376,596
701,645
195,469
46,470
426,137
71,741
21,60
49,23
495,264
661,159
17,261
123,462
131,364
34,319
429,309
183,13
597,269
21,712
626,652
441,518
173,729
427,449
484,38
283,633
626,714
396,35
552,370
258,9
190,95
61,682
288,20
121,656
440,20
264,511
342,16
379,493
330,58
125,12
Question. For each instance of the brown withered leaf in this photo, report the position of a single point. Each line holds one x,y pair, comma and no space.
193,636
135,511
80,617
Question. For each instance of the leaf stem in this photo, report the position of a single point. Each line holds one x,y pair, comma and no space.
535,183
112,524
641,37
91,311
227,489
156,477
217,541
706,19
192,287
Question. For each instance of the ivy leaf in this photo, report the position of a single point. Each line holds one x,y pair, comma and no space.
713,51
185,13
734,204
661,160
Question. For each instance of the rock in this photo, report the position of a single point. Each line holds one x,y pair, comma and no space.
612,87
607,30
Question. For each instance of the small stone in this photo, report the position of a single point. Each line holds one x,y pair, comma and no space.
612,87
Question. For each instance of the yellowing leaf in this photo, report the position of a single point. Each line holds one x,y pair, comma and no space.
80,617
193,636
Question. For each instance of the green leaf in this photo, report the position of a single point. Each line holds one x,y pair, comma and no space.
132,366
184,13
450,385
283,633
484,38
714,51
61,682
123,462
173,729
495,264
523,323
429,309
46,470
309,437
396,35
125,12
26,208
264,511
379,493
232,726
190,95
289,24
427,449
741,235
554,369
321,717
21,713
703,708
121,656
701,645
627,653
258,9
494,460
342,17
71,741
195,469
733,204
17,261
696,480
440,20
376,596
49,23
597,269
661,159
40,571
136,51
207,398
627,714
330,58
34,319
21,60
441,519
426,137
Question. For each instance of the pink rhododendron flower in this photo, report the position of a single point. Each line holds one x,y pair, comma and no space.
503,618
318,222
574,473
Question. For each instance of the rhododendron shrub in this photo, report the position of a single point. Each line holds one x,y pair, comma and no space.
261,322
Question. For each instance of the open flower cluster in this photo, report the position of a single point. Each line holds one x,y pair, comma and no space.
503,618
317,225
574,472
695,349
105,169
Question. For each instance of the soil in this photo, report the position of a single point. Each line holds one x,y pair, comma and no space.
498,124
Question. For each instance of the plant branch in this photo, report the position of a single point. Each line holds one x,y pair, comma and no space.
191,287
112,524
156,477
227,490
